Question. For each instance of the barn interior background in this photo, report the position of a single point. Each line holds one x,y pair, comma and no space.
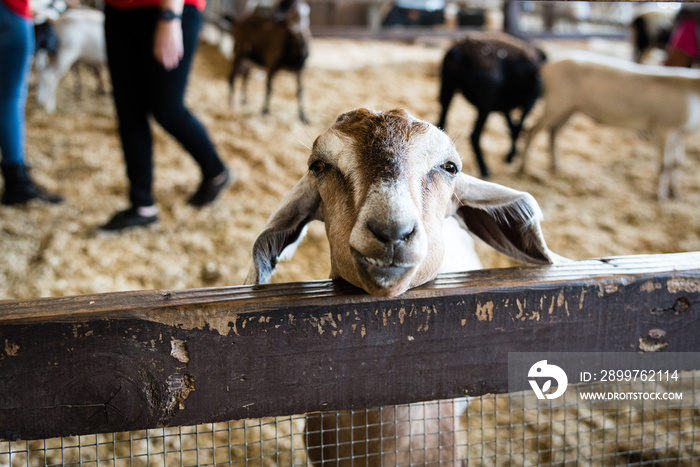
602,202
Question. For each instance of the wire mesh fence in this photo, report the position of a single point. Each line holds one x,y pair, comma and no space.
494,430
271,441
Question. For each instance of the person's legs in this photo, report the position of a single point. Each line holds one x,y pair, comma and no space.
16,56
16,53
168,106
128,61
141,87
128,35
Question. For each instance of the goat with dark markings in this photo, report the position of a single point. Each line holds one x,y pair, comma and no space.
651,30
274,42
495,72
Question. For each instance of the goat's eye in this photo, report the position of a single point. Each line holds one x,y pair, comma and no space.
450,167
317,167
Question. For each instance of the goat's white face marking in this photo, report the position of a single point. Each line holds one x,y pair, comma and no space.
385,180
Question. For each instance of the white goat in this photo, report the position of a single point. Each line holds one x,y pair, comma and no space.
81,37
384,184
664,101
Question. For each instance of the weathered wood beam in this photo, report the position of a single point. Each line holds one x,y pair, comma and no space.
136,360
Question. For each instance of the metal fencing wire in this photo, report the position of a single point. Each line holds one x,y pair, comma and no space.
494,430
271,441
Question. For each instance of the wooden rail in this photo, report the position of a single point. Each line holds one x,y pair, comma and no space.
136,360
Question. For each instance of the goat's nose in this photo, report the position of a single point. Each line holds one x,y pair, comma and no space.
391,232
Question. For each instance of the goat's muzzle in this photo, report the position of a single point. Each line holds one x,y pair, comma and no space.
388,247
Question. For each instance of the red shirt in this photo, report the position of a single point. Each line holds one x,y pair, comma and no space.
21,7
685,37
127,4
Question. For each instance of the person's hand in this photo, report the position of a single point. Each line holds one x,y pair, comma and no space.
167,44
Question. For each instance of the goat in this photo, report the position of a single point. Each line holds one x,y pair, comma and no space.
664,101
80,37
46,48
495,72
273,43
387,186
651,29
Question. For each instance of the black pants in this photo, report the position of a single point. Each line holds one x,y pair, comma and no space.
143,88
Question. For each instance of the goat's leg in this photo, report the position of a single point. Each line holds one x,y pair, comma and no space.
268,92
680,157
554,122
51,76
99,76
235,70
300,96
553,132
447,91
245,75
672,150
475,138
75,69
529,136
515,128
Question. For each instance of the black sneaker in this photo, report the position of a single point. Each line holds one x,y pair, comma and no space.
127,219
210,189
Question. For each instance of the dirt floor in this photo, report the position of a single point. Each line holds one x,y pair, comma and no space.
601,203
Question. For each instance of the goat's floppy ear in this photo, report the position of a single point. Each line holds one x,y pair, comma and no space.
284,229
508,220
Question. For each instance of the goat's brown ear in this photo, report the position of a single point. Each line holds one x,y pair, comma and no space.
284,229
508,220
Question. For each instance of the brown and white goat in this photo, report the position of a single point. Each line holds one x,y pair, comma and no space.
273,43
385,184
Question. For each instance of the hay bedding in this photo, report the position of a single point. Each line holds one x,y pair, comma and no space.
601,203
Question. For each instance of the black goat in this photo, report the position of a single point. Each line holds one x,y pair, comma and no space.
274,42
495,72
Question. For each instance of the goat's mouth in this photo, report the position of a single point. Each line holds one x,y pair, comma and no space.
383,273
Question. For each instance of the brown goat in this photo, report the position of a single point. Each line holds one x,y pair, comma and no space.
385,184
274,42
